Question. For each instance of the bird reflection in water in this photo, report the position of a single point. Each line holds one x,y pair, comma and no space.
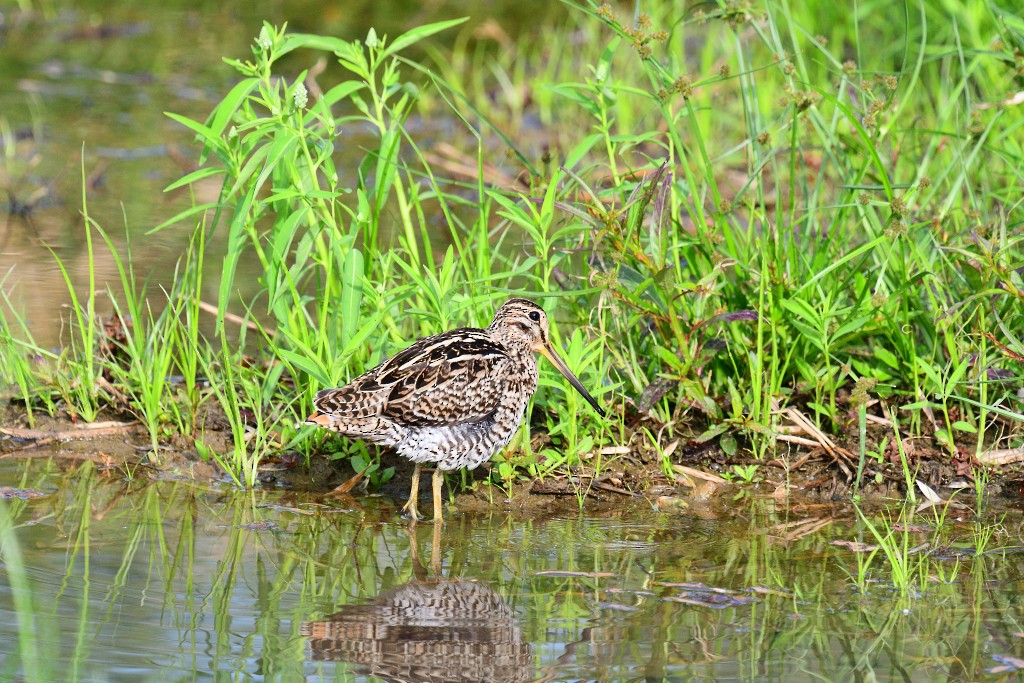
427,631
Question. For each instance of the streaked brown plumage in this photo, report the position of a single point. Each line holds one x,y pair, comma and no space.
454,399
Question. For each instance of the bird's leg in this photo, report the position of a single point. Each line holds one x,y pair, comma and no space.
410,506
436,481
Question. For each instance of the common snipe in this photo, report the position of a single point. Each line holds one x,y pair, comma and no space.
454,399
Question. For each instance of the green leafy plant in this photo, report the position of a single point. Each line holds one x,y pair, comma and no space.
745,473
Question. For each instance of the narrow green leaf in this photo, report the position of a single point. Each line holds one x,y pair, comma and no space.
917,405
712,432
802,309
317,373
205,133
236,243
668,358
419,33
887,357
581,149
340,92
852,326
195,176
187,213
228,107
295,41
1009,414
351,293
362,333
959,370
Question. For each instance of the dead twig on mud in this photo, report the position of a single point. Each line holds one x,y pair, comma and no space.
1002,456
41,437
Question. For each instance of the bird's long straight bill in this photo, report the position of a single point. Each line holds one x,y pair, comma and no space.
557,361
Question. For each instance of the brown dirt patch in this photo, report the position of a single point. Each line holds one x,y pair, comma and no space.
631,477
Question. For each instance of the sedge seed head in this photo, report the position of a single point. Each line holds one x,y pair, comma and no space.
805,99
898,206
684,86
895,229
859,395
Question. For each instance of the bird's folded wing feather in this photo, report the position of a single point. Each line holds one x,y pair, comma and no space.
450,378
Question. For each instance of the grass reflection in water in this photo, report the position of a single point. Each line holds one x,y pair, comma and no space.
103,577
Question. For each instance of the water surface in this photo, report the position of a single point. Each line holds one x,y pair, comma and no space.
107,579
84,87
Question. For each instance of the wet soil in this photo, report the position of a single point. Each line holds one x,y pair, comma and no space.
701,472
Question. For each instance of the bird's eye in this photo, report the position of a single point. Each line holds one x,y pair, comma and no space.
534,316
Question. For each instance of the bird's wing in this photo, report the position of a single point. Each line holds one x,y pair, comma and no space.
450,378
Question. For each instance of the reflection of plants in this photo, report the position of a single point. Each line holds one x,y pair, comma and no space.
903,562
203,562
28,611
914,566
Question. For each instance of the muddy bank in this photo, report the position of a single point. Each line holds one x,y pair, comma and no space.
633,475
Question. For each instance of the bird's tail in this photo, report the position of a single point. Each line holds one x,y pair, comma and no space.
319,419
324,404
351,413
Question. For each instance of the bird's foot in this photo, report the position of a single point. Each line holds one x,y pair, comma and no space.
410,509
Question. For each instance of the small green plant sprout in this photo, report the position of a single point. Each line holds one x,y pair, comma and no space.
375,476
878,454
503,473
745,473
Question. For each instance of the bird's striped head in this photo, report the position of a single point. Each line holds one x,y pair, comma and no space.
520,321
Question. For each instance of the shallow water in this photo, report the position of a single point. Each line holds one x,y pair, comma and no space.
84,86
105,580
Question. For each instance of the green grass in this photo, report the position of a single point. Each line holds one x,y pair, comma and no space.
756,206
